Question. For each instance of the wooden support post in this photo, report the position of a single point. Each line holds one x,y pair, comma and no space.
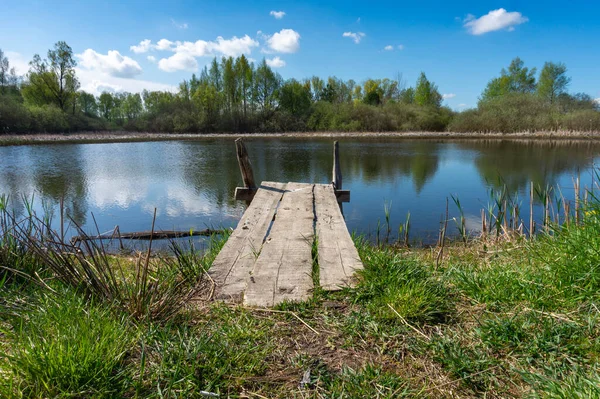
337,171
244,162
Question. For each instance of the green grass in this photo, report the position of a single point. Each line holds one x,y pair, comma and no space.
392,279
511,319
216,356
63,346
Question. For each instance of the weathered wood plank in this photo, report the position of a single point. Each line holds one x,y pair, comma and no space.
246,194
232,267
337,255
283,271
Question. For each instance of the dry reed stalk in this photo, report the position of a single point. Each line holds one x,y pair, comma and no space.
443,238
546,213
531,227
576,187
505,206
483,224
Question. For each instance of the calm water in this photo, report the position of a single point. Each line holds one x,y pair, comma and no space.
191,183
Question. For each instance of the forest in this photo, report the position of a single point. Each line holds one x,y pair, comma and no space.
236,95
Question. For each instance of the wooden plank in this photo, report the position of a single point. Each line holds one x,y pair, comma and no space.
234,264
283,271
337,255
246,194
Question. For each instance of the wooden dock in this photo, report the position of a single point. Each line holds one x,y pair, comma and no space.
268,259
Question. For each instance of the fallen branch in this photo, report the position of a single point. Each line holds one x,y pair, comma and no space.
147,235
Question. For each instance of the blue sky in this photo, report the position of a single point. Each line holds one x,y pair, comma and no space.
459,45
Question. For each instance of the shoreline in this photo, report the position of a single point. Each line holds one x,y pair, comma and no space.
117,137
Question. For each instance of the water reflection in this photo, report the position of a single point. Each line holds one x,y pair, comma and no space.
191,183
539,161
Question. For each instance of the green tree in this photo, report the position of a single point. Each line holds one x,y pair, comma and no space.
373,92
215,75
207,100
266,85
389,89
407,96
244,72
106,104
132,106
328,93
426,93
294,97
516,79
53,80
230,86
553,81
8,76
316,87
87,103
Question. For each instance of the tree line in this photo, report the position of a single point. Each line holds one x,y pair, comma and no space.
236,95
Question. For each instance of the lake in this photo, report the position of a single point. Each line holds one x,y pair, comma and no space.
191,183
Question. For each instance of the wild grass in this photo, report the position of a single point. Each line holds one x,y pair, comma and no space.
61,345
510,318
390,279
146,285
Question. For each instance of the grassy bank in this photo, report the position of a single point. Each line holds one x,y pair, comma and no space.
492,318
121,137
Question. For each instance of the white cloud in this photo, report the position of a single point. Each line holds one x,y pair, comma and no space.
284,41
143,47
98,87
493,21
17,61
151,58
275,62
95,82
277,14
235,46
449,95
164,44
178,62
389,47
357,37
229,47
179,25
113,63
462,105
597,101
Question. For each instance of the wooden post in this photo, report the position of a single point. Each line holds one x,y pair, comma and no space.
244,162
337,171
